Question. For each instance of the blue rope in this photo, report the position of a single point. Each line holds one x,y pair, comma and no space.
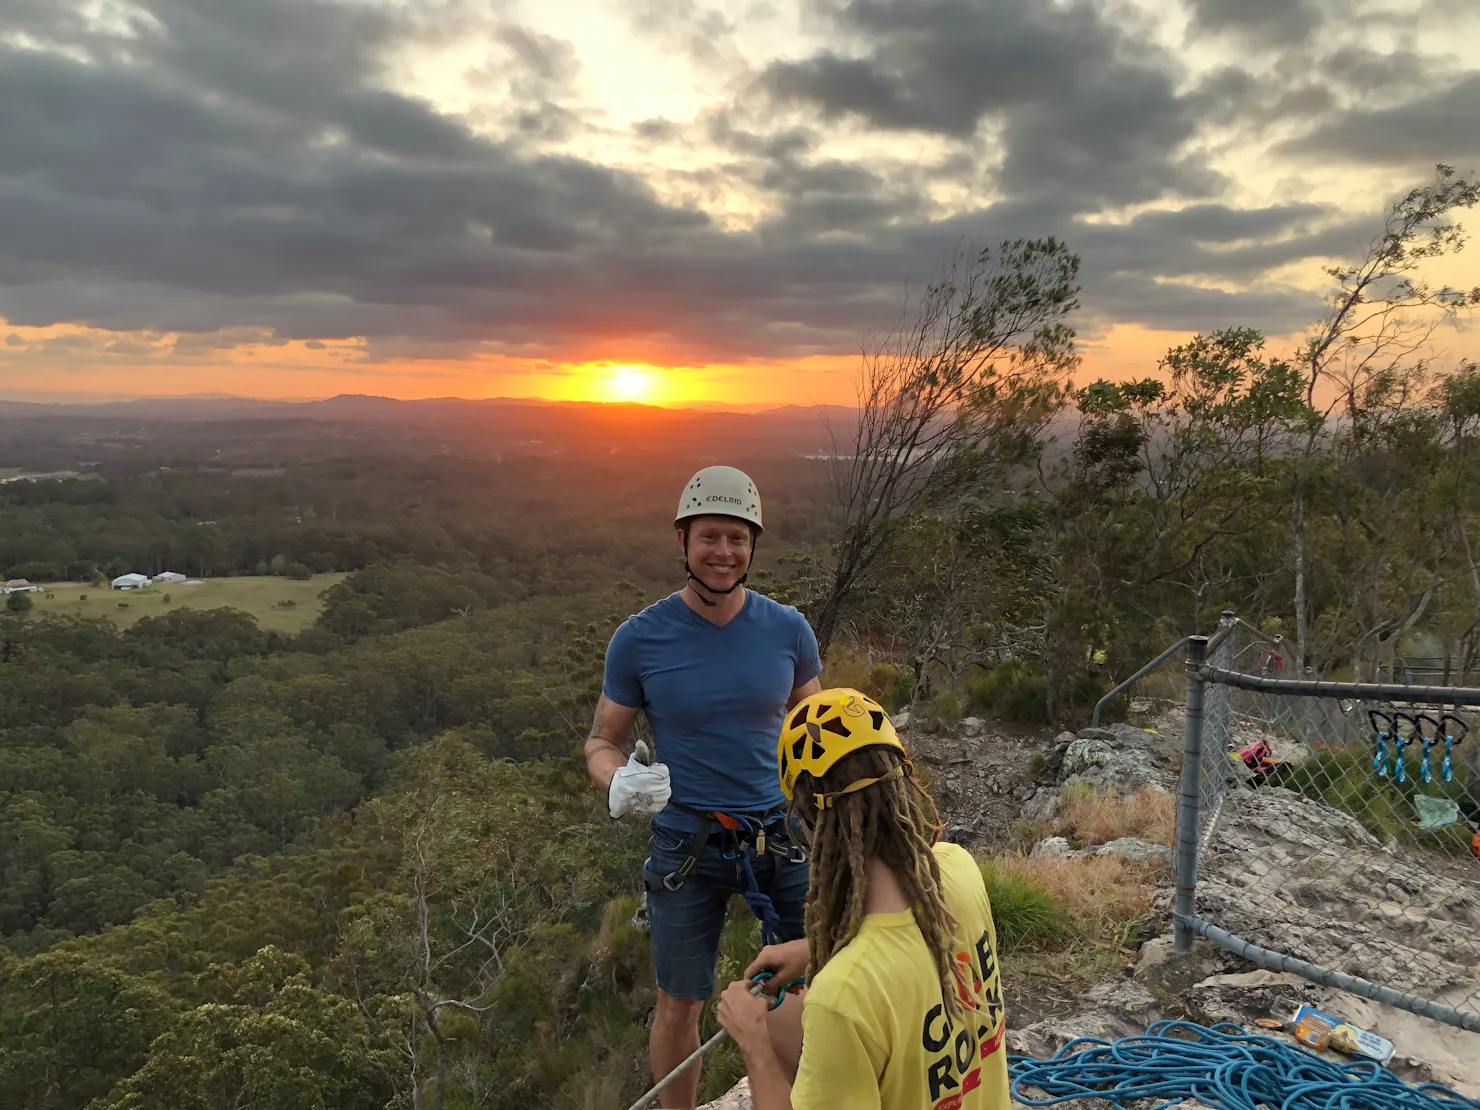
760,904
758,900
1223,1067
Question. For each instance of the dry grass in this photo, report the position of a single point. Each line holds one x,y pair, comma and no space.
1089,817
1099,895
1064,925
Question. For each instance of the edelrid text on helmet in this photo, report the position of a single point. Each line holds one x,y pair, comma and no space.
720,491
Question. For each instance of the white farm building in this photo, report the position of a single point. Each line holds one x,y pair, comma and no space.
169,576
130,581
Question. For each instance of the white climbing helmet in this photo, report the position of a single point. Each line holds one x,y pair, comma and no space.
721,491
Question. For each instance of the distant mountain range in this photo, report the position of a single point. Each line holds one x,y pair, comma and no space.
361,406
497,426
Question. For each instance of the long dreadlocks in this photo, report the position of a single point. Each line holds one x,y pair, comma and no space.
895,820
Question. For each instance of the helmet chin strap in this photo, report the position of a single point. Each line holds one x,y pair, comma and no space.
695,578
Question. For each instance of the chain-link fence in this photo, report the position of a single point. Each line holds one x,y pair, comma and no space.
1329,828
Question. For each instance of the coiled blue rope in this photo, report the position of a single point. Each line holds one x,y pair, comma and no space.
1223,1067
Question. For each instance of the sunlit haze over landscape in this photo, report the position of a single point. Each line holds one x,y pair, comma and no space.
679,202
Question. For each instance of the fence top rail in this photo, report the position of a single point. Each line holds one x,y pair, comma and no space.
1361,691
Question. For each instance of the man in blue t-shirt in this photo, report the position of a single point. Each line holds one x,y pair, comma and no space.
715,667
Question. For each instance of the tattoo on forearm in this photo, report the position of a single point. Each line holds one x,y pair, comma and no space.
592,749
598,718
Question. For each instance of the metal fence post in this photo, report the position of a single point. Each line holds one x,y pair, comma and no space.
1188,794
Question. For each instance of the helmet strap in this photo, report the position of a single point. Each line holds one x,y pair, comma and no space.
688,570
823,801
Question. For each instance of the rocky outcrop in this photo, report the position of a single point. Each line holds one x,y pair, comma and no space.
1120,758
1287,873
736,1098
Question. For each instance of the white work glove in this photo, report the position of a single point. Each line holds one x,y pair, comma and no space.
638,786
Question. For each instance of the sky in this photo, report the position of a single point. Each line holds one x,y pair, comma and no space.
679,201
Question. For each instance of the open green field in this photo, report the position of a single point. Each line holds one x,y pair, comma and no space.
258,596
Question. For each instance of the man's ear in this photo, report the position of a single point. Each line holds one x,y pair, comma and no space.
683,546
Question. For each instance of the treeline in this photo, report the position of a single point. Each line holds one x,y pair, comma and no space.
505,518
1018,541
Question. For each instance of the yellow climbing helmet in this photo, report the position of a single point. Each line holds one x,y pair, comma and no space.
825,727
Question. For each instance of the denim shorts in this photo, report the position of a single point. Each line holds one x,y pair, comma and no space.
687,922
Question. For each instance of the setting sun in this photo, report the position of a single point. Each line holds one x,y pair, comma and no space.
631,383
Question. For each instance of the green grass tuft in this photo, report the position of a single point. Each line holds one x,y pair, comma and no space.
1026,915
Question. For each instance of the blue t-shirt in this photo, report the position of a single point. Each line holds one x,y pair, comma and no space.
714,695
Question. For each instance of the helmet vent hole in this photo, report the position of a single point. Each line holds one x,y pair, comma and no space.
798,748
836,725
877,717
798,718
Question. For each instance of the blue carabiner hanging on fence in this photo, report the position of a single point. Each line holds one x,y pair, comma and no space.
1383,731
1451,741
1429,741
1401,742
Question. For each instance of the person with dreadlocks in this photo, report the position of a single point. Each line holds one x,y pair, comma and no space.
904,1008
715,667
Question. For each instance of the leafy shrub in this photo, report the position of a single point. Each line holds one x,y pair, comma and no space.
166,599
81,597
943,710
18,603
123,605
1018,690
1014,690
880,681
298,571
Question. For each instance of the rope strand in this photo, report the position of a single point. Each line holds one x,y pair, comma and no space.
1222,1067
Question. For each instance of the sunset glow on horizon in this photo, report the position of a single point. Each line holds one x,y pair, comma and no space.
682,205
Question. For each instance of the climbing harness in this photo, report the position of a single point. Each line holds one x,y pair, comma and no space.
1451,741
759,980
1383,731
1430,741
742,837
1222,1067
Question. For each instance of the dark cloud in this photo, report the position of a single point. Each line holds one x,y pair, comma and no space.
657,130
1443,126
1269,21
1075,102
242,173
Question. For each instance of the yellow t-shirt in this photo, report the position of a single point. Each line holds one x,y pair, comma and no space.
874,1031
